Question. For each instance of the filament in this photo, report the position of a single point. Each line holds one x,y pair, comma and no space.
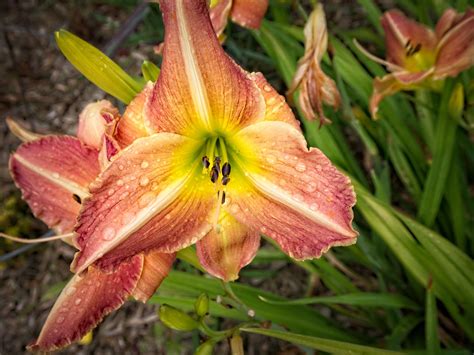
36,240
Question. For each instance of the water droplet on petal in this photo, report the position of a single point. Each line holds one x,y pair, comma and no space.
120,167
110,192
70,290
271,159
144,181
60,319
144,164
78,301
55,175
300,167
311,187
267,88
120,182
146,199
109,233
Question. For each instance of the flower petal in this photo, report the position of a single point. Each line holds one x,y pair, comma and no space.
152,196
132,124
200,88
93,122
249,13
84,302
276,108
156,267
219,15
393,83
456,48
401,31
445,22
228,248
293,195
50,171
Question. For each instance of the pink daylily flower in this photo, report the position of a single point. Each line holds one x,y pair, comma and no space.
53,173
419,57
315,86
247,13
221,160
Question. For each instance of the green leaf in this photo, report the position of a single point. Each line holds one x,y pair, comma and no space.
97,67
366,299
326,345
431,323
150,71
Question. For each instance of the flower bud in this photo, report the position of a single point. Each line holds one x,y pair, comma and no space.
205,348
175,319
236,345
202,305
456,101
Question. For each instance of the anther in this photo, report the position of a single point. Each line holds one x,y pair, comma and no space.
417,48
226,169
205,162
225,180
223,197
214,174
217,162
77,198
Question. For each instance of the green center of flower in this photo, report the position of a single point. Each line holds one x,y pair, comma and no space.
418,58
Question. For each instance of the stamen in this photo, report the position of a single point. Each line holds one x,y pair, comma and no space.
376,59
37,240
223,197
407,45
217,163
77,198
225,180
226,169
205,162
214,174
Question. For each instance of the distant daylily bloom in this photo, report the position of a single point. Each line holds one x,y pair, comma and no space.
247,13
53,173
315,86
225,162
419,57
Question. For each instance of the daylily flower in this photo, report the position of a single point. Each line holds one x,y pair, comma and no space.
247,13
225,162
315,86
419,57
53,173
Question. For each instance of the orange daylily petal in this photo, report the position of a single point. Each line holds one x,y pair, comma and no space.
446,22
84,302
132,124
50,171
293,195
93,122
249,13
393,83
276,108
399,31
219,15
156,267
227,248
200,87
150,197
456,48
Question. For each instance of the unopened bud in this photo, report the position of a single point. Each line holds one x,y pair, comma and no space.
175,319
205,348
456,101
236,345
202,305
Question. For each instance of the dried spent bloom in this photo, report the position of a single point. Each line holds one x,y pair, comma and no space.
221,159
315,86
247,13
53,173
419,57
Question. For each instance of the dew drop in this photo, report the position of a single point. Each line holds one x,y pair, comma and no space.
314,207
78,301
110,192
271,159
121,167
311,187
300,167
60,319
144,164
144,181
146,199
109,233
267,88
70,291
120,182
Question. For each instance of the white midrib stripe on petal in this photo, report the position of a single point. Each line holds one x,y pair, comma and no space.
279,195
195,80
54,177
163,200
